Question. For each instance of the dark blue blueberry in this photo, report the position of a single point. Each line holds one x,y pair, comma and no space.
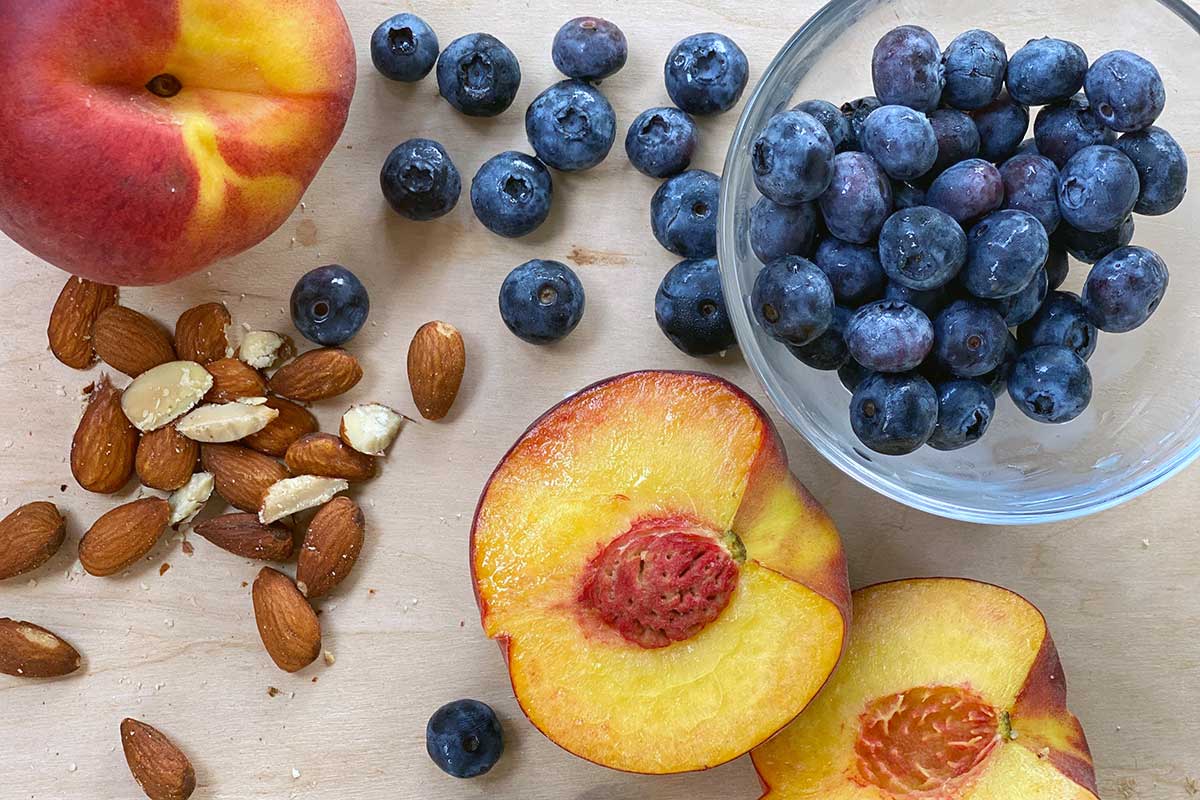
1028,148
1031,184
706,74
792,158
511,194
997,379
835,122
330,305
851,374
1046,71
1002,126
828,351
1090,247
571,126
931,301
1050,384
464,738
1063,129
858,200
967,191
683,214
856,113
889,336
541,301
793,300
420,181
905,195
965,410
853,270
1098,188
777,231
894,414
661,142
957,139
404,48
906,69
589,48
1058,266
1162,168
922,248
1004,251
902,141
690,308
1126,91
1124,289
1061,322
478,75
1021,306
975,64
970,338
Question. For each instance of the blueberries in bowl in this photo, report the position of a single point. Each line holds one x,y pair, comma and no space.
690,308
902,141
793,300
683,213
420,181
1062,322
792,158
827,352
970,338
661,142
541,301
1050,384
858,200
1124,289
1098,188
853,270
922,248
404,48
777,231
1058,266
1090,247
906,69
1162,169
975,64
478,75
957,139
1063,129
511,194
1004,251
856,113
1020,307
1031,184
894,414
571,126
706,74
464,738
1126,91
889,336
836,123
1002,126
965,410
589,48
968,190
1046,71
329,305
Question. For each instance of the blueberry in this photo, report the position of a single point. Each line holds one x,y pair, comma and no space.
931,301
541,301
858,200
1058,267
1062,322
464,738
1124,289
905,195
1031,184
690,308
970,338
965,410
906,68
1098,188
902,141
1021,306
1063,129
1046,71
404,48
683,214
420,181
894,414
706,74
968,190
478,75
856,113
793,300
661,142
777,231
1090,247
571,126
1004,251
792,158
828,351
997,379
957,139
511,194
330,305
1126,90
1162,168
589,48
853,270
889,336
922,248
835,122
1050,384
975,64
1002,126
851,374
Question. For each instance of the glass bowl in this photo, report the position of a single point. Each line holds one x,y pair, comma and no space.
1144,423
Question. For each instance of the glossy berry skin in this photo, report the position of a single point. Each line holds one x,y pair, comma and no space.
1090,247
1031,184
905,195
957,139
706,74
690,308
1058,266
1050,384
1126,91
792,159
1098,188
511,194
902,141
1004,251
1046,71
975,64
922,248
828,351
1028,148
329,305
478,75
1063,129
858,200
853,270
589,48
420,181
404,48
541,301
836,123
1124,289
997,379
683,214
777,231
856,113
967,191
930,301
1162,169
792,300
1021,307
571,126
894,414
661,142
965,410
906,69
970,338
889,336
464,738
1002,126
1062,322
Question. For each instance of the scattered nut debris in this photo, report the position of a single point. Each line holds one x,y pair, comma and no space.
272,691
163,569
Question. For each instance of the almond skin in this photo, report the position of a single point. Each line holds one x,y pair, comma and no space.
166,459
242,475
286,622
200,333
130,342
160,768
233,380
105,443
293,423
72,319
317,375
29,537
327,456
437,359
30,651
122,536
331,547
243,535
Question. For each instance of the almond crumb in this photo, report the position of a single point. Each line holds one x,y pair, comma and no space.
163,569
272,691
187,548
329,659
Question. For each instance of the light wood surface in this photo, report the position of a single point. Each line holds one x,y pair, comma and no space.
180,650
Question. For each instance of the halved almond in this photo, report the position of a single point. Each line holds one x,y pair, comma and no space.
74,315
317,375
327,456
233,380
293,495
31,651
160,768
243,535
226,422
29,537
104,447
122,536
130,342
371,428
200,333
242,476
162,395
265,349
287,624
294,421
187,502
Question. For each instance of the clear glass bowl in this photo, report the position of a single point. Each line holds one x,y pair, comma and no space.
1144,423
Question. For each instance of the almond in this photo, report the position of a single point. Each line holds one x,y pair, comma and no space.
293,495
162,395
29,537
241,475
166,459
30,651
331,547
294,421
130,342
317,375
266,349
371,428
160,768
243,535
226,422
327,456
72,319
233,380
122,536
437,359
105,444
286,622
188,501
200,333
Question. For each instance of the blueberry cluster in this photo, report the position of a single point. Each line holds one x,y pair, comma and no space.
916,242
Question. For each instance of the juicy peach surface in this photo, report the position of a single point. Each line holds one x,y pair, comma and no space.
658,446
949,690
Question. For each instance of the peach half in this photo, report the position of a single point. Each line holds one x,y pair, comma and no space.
949,690
666,593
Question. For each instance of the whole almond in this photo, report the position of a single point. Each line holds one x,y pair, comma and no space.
286,622
331,547
72,319
30,651
200,333
29,537
162,395
327,456
317,375
242,476
166,459
160,768
437,359
130,342
105,443
233,380
122,536
294,422
243,535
